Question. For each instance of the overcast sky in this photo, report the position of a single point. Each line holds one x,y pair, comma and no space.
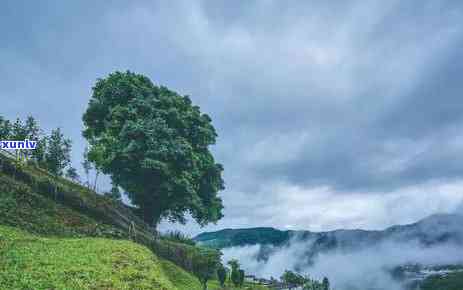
330,114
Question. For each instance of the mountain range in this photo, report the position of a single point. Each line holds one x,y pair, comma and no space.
433,230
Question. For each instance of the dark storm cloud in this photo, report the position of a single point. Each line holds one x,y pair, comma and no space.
352,97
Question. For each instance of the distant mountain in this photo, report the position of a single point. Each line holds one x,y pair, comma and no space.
393,251
435,229
241,237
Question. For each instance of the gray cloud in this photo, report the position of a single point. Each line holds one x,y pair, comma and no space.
361,99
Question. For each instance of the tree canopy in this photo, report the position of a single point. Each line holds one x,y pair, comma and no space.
58,154
154,143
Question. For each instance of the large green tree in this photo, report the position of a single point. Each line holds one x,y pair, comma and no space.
154,143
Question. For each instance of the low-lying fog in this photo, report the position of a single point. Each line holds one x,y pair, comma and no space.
364,269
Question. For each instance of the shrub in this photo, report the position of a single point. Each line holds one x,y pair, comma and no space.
178,237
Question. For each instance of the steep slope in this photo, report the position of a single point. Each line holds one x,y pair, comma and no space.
34,200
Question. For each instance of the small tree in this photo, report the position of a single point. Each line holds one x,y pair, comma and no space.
241,281
205,265
222,275
72,174
235,275
32,128
326,284
38,155
19,131
32,132
5,129
293,280
115,193
58,154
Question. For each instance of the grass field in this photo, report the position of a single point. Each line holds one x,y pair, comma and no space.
32,262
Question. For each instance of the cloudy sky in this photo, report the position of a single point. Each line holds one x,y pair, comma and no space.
339,115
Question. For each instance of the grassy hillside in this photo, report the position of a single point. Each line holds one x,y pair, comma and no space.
38,202
55,234
32,200
21,207
32,262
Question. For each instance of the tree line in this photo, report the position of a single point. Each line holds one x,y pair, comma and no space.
53,151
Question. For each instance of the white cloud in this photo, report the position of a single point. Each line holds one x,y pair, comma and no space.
287,206
362,269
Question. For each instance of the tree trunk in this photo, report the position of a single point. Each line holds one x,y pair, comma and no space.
96,180
88,179
151,216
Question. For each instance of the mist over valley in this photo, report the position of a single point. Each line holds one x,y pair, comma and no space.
399,257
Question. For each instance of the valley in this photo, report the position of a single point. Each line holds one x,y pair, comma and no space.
399,257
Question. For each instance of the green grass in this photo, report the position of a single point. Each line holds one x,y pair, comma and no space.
32,262
181,279
21,207
34,200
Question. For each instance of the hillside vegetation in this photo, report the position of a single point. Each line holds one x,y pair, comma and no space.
55,234
31,262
